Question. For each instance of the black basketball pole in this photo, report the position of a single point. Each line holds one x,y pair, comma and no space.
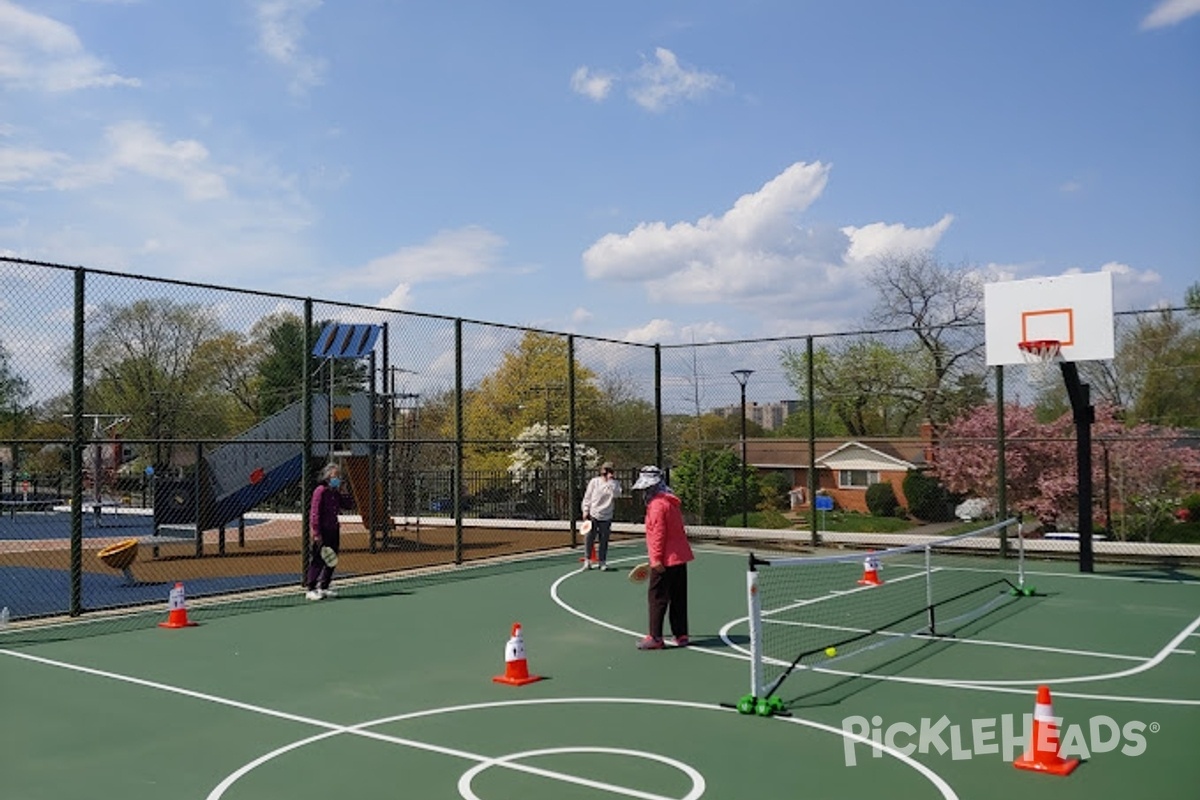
1084,414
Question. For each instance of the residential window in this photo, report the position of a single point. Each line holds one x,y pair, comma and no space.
856,478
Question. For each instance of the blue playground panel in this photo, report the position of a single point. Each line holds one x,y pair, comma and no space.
33,592
57,525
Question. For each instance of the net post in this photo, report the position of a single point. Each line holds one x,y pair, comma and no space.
754,617
1020,553
929,588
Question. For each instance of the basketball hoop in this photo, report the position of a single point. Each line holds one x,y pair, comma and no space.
1041,354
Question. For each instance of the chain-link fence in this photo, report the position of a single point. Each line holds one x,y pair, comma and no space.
156,431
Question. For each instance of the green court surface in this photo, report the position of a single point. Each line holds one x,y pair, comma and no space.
387,692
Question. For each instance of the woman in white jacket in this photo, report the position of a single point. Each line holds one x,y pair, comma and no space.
597,507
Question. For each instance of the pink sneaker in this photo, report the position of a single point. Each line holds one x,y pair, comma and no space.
681,641
650,643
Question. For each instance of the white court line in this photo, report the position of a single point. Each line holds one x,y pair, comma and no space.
736,651
984,642
1184,652
361,729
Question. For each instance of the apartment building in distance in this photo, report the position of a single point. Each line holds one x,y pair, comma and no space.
768,416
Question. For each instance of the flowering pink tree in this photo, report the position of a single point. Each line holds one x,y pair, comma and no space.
1148,471
1148,474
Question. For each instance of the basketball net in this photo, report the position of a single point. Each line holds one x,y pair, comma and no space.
1042,355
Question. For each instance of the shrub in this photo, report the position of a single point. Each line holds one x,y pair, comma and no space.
1192,504
881,500
928,500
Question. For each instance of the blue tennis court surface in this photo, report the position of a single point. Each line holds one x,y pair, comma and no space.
28,591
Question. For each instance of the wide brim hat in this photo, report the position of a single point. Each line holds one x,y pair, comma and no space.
649,476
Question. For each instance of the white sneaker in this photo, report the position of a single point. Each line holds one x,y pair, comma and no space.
330,592
313,594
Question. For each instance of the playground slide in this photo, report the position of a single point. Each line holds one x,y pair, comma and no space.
366,501
265,460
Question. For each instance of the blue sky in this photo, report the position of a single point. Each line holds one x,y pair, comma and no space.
652,171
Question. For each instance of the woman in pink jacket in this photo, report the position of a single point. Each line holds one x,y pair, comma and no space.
669,553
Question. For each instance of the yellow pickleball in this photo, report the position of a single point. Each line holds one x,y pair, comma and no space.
831,651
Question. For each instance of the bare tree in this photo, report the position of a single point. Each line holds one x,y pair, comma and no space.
943,307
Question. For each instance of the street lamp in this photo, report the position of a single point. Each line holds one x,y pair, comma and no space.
742,376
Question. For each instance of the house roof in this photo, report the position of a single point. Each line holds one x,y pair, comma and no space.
856,455
898,453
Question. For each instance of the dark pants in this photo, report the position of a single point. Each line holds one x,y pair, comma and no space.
601,530
320,573
668,598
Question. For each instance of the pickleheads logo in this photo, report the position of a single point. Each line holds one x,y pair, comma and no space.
991,737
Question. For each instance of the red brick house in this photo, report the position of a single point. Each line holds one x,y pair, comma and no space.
845,468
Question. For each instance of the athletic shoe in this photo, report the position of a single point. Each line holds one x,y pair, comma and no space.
681,641
313,594
605,568
650,643
329,593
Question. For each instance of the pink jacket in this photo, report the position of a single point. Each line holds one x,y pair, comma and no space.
666,540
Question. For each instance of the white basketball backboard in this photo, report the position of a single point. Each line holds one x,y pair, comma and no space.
1076,310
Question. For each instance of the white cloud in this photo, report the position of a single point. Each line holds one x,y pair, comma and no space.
757,223
654,331
460,253
756,256
663,82
280,31
22,166
594,85
135,147
41,53
1170,12
878,238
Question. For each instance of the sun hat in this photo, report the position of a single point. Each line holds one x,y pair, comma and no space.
649,476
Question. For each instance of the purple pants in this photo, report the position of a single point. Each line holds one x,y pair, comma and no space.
320,573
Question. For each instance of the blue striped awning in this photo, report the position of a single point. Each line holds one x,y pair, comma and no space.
346,341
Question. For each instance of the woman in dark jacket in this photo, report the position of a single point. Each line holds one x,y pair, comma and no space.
325,532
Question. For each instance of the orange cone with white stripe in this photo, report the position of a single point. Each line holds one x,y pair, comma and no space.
1042,755
177,610
516,666
870,571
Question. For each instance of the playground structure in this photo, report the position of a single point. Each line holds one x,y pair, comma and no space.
364,431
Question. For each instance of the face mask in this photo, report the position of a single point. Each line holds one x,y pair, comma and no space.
335,483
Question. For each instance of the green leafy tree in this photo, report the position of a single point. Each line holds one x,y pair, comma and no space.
278,351
529,387
14,415
709,483
863,383
152,362
773,492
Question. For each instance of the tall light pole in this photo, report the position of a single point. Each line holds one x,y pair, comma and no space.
742,376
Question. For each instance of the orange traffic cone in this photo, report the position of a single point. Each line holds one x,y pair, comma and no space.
1042,755
516,668
870,571
177,616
